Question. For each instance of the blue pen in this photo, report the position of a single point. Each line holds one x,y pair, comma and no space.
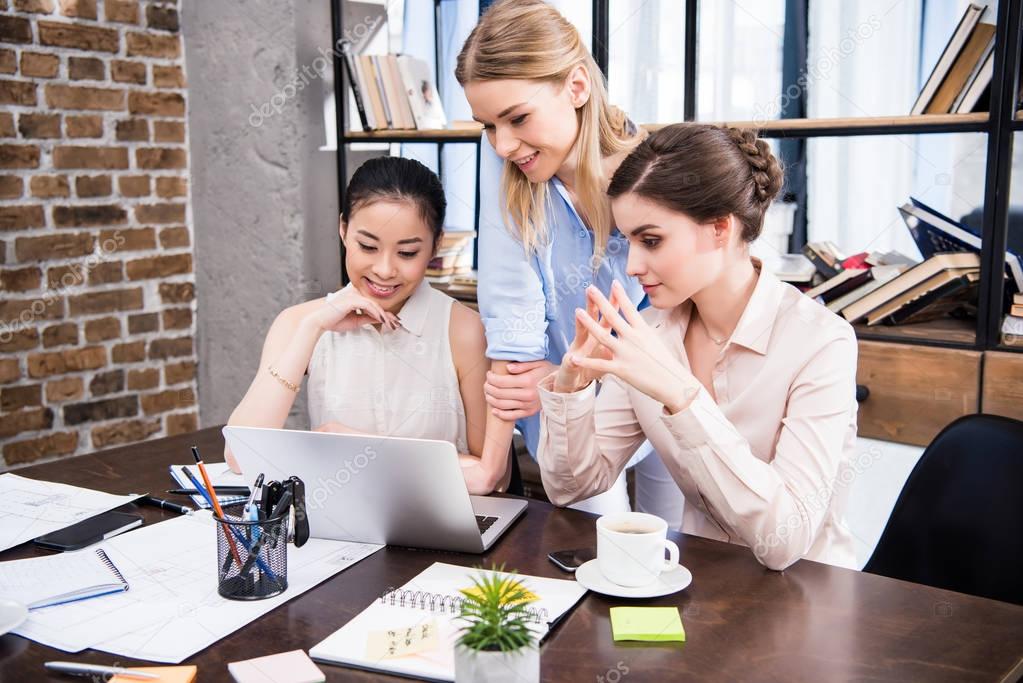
250,512
241,539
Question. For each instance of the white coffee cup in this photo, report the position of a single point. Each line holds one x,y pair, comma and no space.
630,548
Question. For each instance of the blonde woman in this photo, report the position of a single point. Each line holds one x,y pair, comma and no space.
546,231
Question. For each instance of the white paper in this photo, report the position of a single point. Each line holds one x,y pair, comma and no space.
220,474
30,508
172,609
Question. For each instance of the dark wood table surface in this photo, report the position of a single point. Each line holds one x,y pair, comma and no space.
743,622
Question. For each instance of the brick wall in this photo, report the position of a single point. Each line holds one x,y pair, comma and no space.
96,271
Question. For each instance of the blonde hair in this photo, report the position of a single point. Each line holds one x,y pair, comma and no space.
529,40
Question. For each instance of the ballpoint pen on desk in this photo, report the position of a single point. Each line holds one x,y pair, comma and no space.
215,503
165,504
221,491
105,672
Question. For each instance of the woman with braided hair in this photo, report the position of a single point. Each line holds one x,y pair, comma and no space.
745,387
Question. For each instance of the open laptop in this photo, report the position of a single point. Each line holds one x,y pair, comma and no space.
378,489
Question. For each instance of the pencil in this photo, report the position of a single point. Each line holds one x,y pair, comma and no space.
216,504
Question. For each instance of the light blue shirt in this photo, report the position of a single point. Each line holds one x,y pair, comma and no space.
528,301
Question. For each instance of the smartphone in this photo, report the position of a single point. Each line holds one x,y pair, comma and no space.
89,531
570,560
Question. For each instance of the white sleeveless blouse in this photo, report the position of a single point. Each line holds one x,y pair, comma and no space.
392,383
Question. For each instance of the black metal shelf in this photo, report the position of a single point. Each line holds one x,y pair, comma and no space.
1000,126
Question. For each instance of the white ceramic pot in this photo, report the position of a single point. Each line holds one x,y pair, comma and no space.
476,666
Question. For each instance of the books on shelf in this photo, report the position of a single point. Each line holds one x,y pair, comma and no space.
453,257
394,92
792,268
898,288
844,282
879,275
942,294
825,257
936,233
421,93
958,76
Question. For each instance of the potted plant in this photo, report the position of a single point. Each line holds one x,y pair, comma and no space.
496,645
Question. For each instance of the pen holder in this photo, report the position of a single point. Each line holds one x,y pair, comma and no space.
253,564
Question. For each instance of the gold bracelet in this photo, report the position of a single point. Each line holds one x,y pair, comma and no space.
277,376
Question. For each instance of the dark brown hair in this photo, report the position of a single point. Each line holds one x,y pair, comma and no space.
706,172
398,179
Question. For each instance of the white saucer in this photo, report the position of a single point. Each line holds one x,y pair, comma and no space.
667,583
12,614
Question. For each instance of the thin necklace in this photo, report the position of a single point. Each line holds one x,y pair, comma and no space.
706,330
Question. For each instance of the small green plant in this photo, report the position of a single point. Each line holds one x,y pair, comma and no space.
496,611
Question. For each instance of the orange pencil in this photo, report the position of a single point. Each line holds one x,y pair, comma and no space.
216,503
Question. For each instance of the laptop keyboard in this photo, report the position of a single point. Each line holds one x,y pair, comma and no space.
484,523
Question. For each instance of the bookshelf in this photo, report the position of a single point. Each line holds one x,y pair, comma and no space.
998,126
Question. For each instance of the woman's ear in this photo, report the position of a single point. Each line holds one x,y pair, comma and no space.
342,228
723,228
578,84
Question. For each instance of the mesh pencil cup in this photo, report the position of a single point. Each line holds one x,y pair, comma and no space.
252,557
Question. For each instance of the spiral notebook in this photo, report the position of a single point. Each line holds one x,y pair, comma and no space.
57,579
411,631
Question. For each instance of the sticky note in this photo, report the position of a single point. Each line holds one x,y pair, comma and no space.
401,642
527,595
286,667
654,624
167,674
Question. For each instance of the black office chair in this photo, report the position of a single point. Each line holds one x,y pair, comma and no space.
958,523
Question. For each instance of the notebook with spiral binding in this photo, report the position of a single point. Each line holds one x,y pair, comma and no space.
411,630
57,579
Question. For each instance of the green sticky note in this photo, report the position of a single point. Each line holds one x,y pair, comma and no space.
654,624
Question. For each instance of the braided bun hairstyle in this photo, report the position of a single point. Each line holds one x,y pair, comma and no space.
706,172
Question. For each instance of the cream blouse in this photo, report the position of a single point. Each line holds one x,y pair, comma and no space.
392,383
767,465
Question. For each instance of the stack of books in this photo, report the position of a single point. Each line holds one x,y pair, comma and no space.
892,289
1012,326
453,257
394,92
961,79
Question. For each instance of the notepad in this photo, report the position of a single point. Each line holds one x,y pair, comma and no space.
286,667
432,599
652,624
167,674
40,582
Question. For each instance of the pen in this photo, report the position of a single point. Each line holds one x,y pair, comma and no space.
237,534
279,509
76,669
166,505
216,504
221,491
252,496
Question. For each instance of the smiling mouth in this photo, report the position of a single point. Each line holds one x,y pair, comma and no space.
380,290
527,160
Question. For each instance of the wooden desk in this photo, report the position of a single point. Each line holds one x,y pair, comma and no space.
743,622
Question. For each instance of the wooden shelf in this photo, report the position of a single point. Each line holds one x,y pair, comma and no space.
941,332
874,125
877,125
439,135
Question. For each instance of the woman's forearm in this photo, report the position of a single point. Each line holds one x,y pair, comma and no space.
268,400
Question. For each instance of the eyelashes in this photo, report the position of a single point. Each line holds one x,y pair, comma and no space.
370,249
